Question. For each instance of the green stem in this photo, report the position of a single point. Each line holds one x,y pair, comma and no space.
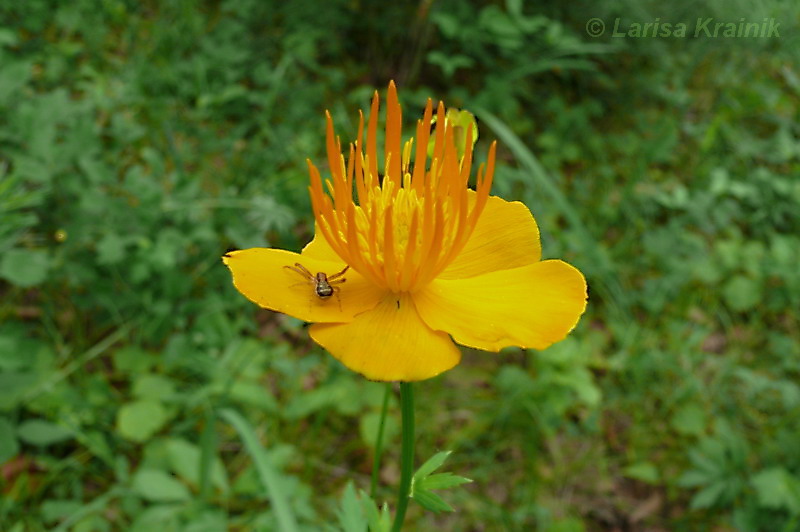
376,464
407,454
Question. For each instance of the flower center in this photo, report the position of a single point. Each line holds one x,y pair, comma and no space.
405,229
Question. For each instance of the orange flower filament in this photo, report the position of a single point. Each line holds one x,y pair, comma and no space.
407,227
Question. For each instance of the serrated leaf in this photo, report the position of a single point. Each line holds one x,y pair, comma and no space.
432,464
708,496
694,478
441,481
379,521
709,457
431,501
424,481
777,489
644,471
350,512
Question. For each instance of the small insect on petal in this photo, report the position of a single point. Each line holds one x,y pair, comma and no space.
323,284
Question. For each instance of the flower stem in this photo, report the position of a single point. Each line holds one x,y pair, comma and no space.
407,453
376,464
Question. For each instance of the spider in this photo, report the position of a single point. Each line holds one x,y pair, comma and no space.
323,284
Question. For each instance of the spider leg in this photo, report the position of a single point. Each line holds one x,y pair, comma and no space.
302,271
337,275
337,281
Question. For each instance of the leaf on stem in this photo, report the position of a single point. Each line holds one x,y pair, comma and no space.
424,481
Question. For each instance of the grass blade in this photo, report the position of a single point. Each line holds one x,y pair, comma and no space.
266,471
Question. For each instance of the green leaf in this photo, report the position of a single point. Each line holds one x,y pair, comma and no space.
379,521
159,517
441,481
156,387
462,121
449,63
251,393
25,267
351,512
695,478
708,496
13,75
15,351
139,420
184,460
9,446
110,249
207,521
777,489
423,482
13,387
8,37
431,501
42,433
57,509
156,485
432,464
336,394
133,360
497,23
644,471
742,293
689,420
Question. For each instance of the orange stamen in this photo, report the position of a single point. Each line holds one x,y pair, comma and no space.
402,231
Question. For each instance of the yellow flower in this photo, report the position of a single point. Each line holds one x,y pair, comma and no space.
428,259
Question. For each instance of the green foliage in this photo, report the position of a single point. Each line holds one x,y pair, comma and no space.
359,513
139,391
424,482
274,485
25,268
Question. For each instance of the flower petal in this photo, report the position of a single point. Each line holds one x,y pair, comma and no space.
389,343
319,248
260,275
532,306
506,236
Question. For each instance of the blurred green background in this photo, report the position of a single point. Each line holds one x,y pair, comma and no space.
140,140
